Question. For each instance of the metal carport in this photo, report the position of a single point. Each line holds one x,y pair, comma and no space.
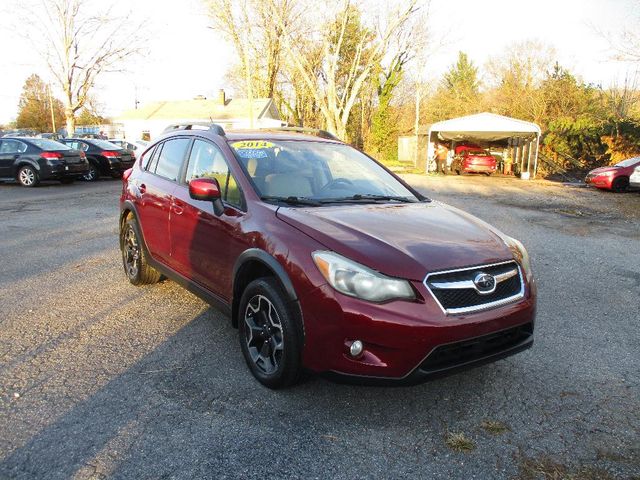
523,138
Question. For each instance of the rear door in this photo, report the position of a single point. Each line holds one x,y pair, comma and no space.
156,185
10,150
203,245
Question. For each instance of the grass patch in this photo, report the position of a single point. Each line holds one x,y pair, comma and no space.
495,427
544,468
459,442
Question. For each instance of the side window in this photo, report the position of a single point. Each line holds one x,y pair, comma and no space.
12,146
171,157
207,161
153,158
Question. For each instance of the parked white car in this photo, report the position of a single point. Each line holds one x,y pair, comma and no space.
634,179
136,145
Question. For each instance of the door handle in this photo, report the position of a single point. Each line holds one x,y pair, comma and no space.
142,187
178,207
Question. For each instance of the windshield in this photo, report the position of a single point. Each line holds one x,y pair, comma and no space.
103,144
628,162
316,170
45,144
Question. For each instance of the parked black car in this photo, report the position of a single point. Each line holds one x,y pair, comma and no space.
104,157
30,160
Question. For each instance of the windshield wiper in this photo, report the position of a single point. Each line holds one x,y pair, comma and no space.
292,200
367,197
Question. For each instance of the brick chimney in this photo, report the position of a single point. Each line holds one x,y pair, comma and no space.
221,97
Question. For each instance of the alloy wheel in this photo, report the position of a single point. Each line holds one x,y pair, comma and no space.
92,174
27,177
263,335
131,253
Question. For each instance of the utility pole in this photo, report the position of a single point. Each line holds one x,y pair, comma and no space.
416,125
53,118
136,102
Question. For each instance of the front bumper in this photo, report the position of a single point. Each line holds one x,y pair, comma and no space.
408,342
479,168
599,181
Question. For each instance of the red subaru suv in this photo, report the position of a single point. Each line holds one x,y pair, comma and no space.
323,259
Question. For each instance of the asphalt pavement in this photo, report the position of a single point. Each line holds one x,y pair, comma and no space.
101,379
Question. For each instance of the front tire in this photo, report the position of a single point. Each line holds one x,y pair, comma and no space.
620,184
270,333
28,177
134,259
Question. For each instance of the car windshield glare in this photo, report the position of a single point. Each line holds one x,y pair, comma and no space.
628,162
314,170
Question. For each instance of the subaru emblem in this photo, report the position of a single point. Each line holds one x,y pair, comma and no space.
484,283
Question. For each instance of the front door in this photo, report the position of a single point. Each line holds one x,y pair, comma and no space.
203,245
156,186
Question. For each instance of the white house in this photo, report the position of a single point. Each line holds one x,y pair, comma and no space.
148,121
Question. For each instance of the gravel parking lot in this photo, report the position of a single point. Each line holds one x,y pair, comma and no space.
102,379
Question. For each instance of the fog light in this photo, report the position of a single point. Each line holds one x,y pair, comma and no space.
356,348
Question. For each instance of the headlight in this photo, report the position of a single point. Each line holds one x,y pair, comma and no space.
358,281
519,253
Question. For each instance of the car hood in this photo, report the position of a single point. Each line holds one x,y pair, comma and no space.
401,240
600,170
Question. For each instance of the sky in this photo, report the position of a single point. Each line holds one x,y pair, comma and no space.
186,58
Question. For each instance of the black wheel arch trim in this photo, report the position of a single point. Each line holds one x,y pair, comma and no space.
270,262
25,161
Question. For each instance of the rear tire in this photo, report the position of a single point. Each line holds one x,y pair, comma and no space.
270,334
28,177
93,174
134,258
620,184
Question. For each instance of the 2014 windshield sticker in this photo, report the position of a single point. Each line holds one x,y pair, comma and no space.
252,144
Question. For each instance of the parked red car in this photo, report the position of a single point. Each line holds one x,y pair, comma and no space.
466,147
474,161
323,258
614,178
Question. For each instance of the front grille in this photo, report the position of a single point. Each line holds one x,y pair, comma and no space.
460,353
456,292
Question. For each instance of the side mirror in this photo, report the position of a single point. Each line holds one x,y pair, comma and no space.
207,190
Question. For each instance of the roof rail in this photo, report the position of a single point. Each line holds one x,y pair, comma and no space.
212,127
312,131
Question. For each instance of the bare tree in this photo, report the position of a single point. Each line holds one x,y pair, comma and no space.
625,40
343,73
248,26
80,40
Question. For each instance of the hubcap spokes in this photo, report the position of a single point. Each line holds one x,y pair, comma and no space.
263,334
131,253
27,177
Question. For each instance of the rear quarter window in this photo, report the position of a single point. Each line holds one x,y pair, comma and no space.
171,158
